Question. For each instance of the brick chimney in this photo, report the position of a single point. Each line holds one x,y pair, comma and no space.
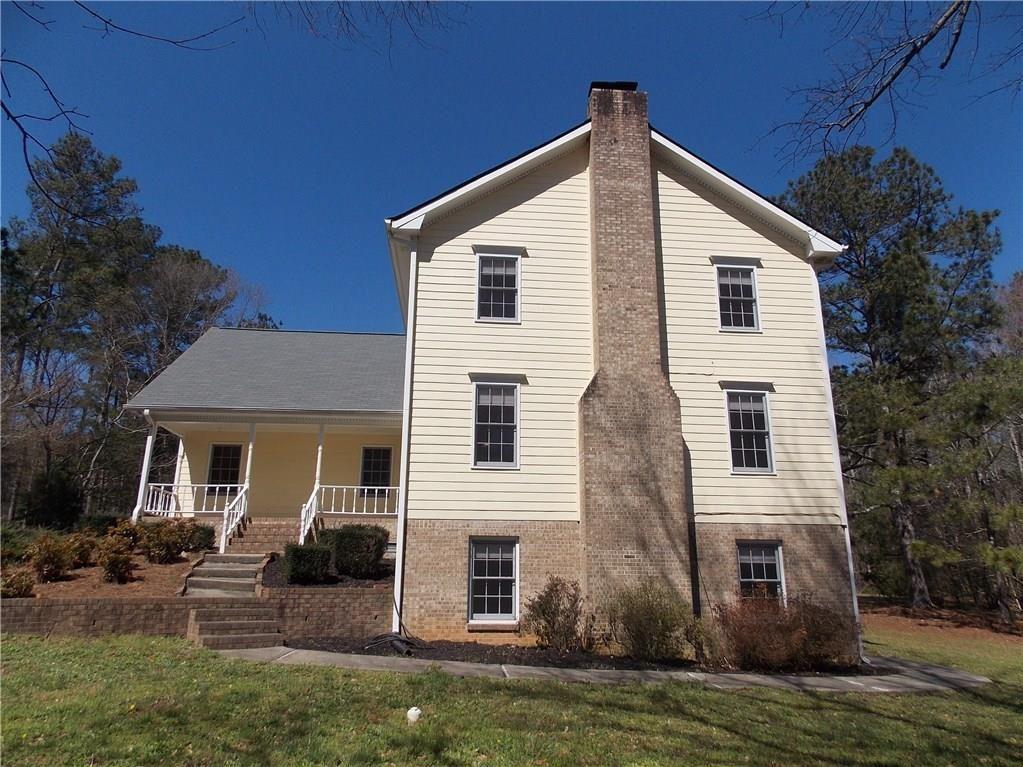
634,518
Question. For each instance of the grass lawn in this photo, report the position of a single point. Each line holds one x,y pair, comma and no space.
137,701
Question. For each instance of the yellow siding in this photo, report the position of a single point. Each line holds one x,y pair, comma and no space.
284,464
695,226
547,213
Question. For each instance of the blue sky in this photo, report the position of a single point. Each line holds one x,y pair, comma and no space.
281,155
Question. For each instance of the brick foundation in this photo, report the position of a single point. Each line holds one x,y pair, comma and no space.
355,611
814,561
436,603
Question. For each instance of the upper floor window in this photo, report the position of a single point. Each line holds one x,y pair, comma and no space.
497,288
749,432
495,422
737,298
225,464
760,572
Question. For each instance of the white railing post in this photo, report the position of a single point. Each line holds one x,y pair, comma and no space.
147,460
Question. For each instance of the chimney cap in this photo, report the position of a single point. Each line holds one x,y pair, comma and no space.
613,85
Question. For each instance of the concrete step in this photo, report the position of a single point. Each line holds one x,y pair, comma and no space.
237,641
222,584
193,591
234,613
223,628
217,570
237,559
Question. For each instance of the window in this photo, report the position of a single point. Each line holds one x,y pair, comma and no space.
495,441
737,298
493,591
760,573
748,432
497,290
376,469
225,464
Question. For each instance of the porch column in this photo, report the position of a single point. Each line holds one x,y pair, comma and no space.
248,457
147,460
319,456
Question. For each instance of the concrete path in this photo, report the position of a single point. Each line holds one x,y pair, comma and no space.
897,675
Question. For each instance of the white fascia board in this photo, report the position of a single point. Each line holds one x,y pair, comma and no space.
818,245
414,220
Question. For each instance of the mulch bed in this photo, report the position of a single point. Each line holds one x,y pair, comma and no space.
148,580
476,652
987,620
273,576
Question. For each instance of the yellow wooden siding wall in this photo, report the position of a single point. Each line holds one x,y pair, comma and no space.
547,213
695,225
284,464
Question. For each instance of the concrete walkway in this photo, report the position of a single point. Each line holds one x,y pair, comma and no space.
897,675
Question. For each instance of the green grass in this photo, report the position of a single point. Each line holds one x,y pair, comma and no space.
136,701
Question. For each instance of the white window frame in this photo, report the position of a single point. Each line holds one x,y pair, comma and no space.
241,463
752,269
362,461
517,257
779,549
518,426
515,588
771,470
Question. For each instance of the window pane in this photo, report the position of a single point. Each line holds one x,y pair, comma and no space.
497,291
225,464
736,298
495,424
749,435
759,573
493,577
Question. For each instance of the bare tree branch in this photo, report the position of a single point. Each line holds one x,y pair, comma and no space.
184,42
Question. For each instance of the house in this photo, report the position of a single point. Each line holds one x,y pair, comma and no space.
614,371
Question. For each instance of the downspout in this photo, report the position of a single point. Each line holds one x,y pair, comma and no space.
406,425
833,428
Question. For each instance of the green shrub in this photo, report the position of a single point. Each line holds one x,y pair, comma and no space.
650,621
555,616
15,541
98,525
162,542
762,634
82,547
356,550
54,500
127,530
307,563
17,583
115,558
50,557
196,537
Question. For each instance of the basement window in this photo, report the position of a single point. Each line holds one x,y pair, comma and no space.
737,298
760,570
493,580
497,288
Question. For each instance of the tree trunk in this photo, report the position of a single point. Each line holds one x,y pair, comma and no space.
920,595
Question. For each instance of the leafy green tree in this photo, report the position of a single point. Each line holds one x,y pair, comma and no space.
910,314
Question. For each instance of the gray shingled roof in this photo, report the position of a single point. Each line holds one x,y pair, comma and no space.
229,368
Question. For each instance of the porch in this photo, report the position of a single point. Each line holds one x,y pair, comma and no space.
281,479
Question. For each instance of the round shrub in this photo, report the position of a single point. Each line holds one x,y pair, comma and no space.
17,583
163,542
50,557
308,563
81,548
357,550
195,536
650,621
114,558
127,531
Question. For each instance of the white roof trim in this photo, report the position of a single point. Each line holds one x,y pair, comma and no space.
414,220
818,245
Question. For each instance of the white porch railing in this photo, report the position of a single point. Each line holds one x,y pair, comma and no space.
347,499
169,500
233,515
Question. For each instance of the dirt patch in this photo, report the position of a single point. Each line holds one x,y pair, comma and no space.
982,624
149,580
273,576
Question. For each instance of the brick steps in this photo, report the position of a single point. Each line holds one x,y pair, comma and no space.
262,536
234,627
